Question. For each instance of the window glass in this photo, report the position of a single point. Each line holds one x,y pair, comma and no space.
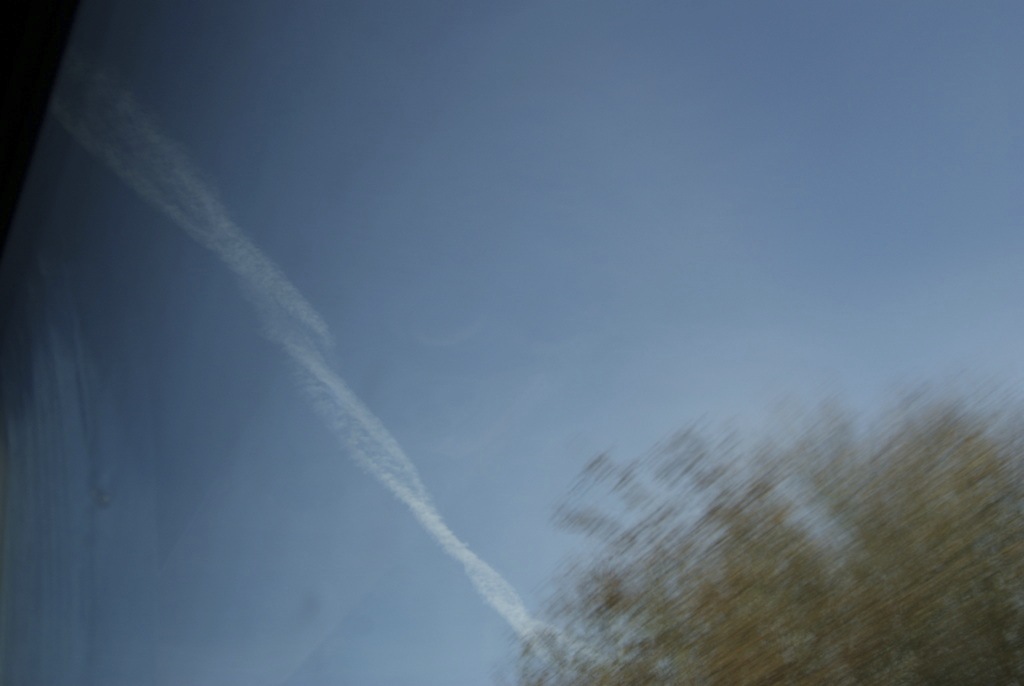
312,312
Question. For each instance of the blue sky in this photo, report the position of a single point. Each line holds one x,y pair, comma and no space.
537,231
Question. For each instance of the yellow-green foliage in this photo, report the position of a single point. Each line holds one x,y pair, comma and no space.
887,555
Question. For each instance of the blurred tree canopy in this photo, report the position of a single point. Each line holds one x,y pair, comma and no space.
886,552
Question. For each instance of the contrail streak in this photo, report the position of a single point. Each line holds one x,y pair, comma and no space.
107,121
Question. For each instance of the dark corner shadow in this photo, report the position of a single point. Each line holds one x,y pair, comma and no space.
33,35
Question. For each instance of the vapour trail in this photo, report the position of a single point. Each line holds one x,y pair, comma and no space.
108,122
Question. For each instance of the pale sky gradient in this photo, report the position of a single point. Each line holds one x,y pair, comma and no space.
536,231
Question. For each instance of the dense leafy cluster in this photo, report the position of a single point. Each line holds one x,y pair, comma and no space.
887,555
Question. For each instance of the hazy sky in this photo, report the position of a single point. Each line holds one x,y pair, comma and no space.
536,230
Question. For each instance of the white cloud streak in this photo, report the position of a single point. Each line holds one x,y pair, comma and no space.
108,122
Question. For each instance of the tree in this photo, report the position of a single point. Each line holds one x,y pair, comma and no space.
887,555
